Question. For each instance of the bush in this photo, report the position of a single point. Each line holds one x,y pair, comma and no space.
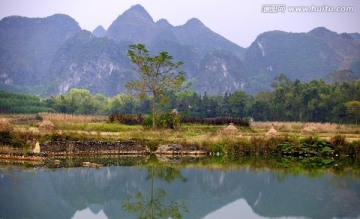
126,119
12,139
217,121
168,120
164,120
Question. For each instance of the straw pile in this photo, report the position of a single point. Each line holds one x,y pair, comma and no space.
230,128
46,126
272,131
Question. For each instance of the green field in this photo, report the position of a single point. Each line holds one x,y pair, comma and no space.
290,136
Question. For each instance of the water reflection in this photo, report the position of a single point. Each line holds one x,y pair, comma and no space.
91,212
155,206
171,191
236,209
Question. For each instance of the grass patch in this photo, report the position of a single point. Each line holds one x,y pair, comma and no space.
95,126
249,141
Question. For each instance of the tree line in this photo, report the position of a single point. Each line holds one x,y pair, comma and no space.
314,101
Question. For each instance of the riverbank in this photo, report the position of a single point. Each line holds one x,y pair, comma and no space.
71,135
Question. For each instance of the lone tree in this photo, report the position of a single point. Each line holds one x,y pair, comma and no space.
158,75
353,108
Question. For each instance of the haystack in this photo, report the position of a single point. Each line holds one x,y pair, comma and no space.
271,132
308,129
46,126
230,128
5,126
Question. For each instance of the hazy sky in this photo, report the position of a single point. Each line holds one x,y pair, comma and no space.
236,20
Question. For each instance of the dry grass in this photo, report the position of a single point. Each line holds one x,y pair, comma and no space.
6,149
19,118
54,117
190,133
296,127
5,126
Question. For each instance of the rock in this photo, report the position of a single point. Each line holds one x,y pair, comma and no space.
169,148
161,149
37,148
175,147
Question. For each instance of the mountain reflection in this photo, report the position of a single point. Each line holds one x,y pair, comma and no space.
171,191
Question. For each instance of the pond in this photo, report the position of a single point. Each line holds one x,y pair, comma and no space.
162,190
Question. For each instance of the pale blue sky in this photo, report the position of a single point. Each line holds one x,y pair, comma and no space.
238,21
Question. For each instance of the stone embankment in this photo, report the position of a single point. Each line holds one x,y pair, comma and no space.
69,148
116,147
91,147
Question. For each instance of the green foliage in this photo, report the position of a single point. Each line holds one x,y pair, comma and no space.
126,119
96,127
315,101
216,121
306,147
78,101
288,147
353,109
21,103
164,120
192,133
13,139
158,75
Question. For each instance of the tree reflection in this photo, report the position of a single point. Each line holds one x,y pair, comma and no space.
156,206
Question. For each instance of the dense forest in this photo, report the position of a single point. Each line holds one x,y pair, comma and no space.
315,101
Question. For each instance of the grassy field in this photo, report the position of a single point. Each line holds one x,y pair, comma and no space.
98,128
99,125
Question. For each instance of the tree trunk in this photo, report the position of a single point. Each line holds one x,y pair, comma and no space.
154,111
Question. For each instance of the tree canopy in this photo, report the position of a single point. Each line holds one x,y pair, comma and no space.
159,75
314,101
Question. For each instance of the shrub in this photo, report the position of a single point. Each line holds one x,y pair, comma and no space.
216,121
168,120
126,119
164,120
12,139
338,140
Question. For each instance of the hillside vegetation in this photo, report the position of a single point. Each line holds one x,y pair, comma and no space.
315,101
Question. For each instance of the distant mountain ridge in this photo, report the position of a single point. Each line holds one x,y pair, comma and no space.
303,56
27,46
51,55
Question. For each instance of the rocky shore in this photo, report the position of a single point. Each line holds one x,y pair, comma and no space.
115,147
91,147
128,148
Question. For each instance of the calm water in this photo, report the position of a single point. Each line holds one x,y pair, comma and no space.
166,192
